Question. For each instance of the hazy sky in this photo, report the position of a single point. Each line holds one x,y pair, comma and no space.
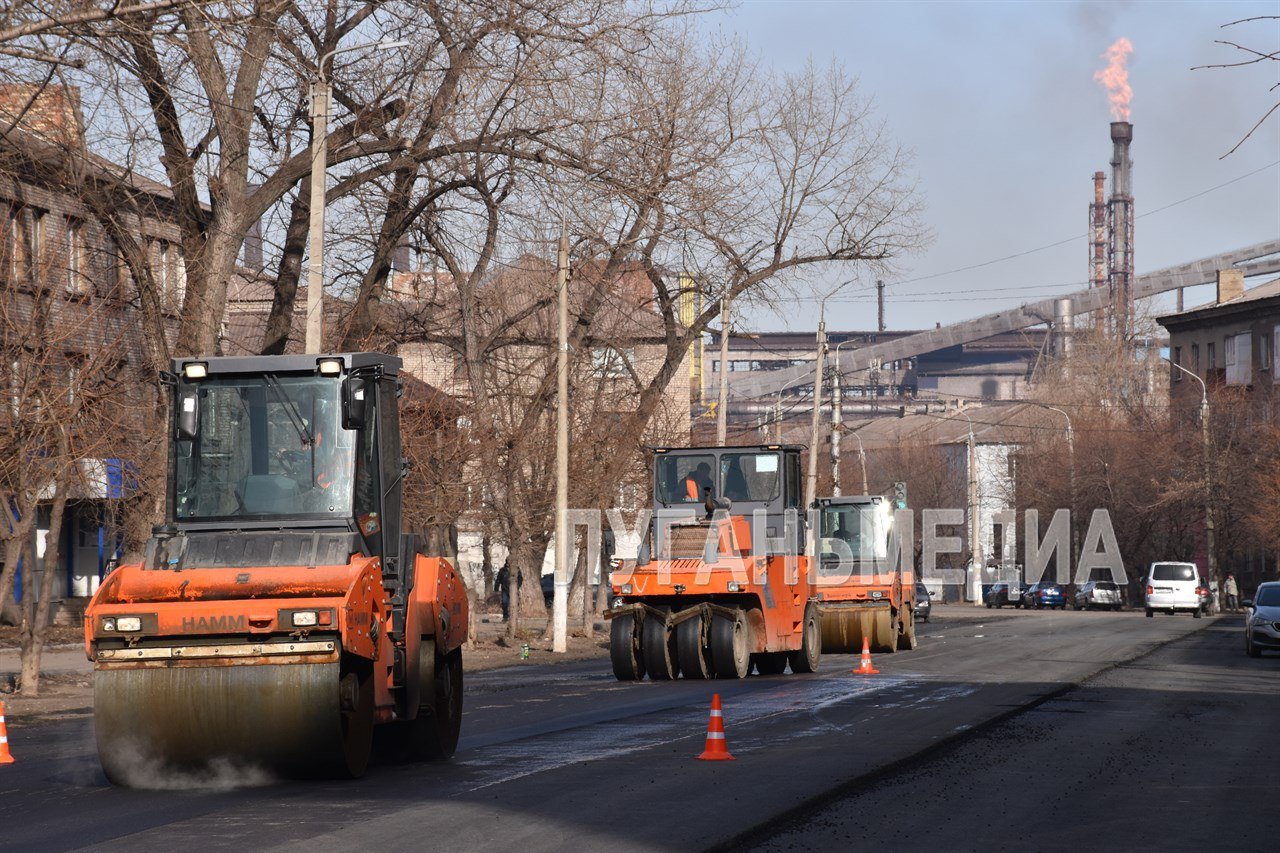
999,104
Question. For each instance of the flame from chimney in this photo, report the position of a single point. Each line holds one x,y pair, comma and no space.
1115,77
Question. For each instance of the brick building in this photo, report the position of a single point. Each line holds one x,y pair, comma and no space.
70,311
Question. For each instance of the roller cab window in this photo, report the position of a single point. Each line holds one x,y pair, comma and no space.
750,476
684,479
266,446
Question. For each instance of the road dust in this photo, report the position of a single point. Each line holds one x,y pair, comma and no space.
133,768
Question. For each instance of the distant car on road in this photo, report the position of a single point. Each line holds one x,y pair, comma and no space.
1044,594
923,605
1262,624
1173,588
1004,594
1097,594
548,589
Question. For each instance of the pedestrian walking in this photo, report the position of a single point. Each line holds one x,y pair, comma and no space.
503,583
1232,592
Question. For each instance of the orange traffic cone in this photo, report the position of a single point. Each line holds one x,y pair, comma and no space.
5,757
865,668
716,749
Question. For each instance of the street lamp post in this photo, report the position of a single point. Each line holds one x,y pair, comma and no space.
1071,457
321,94
837,425
1210,535
975,528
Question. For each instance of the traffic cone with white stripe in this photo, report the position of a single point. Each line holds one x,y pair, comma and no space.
5,756
865,668
716,748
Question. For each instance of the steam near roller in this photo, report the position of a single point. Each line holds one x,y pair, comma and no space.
282,610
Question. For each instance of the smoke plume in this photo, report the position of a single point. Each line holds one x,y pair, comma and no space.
1115,77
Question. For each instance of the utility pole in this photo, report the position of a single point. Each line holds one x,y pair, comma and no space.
321,96
560,604
837,424
811,482
862,457
975,527
722,407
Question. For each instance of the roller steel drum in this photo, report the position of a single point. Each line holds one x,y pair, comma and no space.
280,718
844,627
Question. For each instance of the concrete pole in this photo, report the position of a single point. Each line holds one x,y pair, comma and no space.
811,482
837,424
1210,534
880,305
560,604
722,406
975,527
320,96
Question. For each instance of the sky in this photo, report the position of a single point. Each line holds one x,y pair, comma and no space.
998,102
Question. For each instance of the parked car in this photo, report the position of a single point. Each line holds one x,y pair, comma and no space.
1262,624
1044,594
1098,594
548,589
1205,592
1004,594
923,605
1173,588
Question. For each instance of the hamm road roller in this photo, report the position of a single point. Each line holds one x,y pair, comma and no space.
865,579
281,610
721,584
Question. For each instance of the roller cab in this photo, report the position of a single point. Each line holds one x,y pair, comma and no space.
281,610
722,584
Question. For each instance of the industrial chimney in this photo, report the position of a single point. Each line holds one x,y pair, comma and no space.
1120,227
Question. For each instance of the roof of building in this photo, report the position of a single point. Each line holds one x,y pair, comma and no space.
1269,290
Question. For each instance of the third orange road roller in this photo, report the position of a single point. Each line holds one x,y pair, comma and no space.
282,610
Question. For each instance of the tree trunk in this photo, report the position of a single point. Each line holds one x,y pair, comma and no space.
13,547
36,631
280,321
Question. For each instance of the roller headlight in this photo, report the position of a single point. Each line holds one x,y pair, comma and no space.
108,624
128,623
305,619
626,589
618,602
733,587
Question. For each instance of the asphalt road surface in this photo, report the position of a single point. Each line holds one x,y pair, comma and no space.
564,757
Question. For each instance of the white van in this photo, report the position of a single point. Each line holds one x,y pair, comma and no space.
1173,587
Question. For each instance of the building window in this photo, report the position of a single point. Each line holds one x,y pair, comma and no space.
1237,354
612,363
1264,353
77,278
1177,360
1195,357
1212,356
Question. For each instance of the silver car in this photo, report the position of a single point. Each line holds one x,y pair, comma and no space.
1104,595
1262,624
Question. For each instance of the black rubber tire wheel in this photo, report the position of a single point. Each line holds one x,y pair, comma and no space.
1150,613
807,658
1250,649
990,605
693,653
731,645
658,646
1195,614
624,648
357,723
907,635
771,663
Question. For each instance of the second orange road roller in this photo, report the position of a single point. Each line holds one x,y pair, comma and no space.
723,583
282,610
